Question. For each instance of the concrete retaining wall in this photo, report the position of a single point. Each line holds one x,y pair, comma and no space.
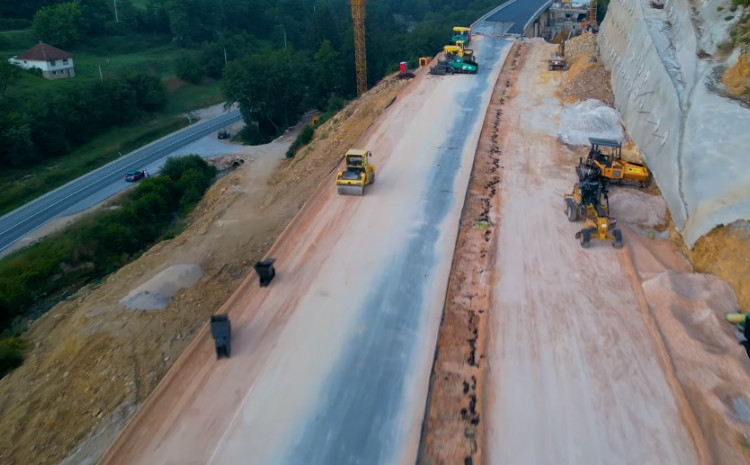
693,139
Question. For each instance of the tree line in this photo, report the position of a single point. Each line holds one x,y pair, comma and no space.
276,58
50,124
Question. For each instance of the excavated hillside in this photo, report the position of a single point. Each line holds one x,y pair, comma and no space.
92,361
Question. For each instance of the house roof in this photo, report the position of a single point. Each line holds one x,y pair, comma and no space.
44,52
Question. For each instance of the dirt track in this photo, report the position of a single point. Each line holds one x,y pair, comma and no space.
330,363
576,374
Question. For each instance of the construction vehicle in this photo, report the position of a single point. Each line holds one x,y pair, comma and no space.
454,62
557,61
460,34
465,53
359,173
611,165
221,331
589,201
586,192
742,320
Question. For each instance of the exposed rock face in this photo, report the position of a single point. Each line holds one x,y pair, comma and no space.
674,105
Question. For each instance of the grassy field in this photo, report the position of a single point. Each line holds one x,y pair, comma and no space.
18,186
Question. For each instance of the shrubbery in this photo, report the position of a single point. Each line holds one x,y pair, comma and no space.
7,24
303,138
50,124
98,244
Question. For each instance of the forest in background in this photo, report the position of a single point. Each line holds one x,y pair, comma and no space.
277,58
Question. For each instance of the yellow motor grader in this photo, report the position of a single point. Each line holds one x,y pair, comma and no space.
589,201
359,173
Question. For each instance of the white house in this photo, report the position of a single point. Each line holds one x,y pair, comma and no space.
54,63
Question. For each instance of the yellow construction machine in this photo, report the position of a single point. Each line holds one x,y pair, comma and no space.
586,192
359,173
462,34
589,201
462,51
611,165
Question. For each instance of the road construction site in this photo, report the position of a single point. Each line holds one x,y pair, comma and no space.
338,349
448,315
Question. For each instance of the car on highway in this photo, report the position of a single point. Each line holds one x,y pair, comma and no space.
135,175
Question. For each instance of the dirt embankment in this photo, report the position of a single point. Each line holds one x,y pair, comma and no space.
453,431
725,252
92,361
736,78
586,77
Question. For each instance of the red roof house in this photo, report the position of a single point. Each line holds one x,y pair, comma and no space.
53,62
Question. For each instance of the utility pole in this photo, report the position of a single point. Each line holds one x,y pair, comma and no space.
284,36
225,55
117,20
360,55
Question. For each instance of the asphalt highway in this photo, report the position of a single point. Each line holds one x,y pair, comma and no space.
102,183
517,13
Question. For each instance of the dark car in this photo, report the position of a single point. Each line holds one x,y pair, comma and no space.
224,134
135,175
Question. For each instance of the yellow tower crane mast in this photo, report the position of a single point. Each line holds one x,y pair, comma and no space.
360,56
592,12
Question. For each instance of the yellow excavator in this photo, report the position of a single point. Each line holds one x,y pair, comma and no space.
359,173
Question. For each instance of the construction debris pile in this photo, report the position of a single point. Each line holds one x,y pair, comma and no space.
580,120
587,78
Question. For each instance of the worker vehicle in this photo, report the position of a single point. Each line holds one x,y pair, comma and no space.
463,52
742,320
135,175
590,202
462,34
221,331
557,62
359,173
586,192
454,62
611,165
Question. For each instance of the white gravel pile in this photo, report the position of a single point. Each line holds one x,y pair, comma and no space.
156,293
638,208
590,118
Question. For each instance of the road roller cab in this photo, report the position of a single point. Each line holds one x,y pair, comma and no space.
359,173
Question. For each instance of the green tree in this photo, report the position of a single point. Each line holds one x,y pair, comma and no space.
188,68
327,73
60,24
212,59
8,75
17,144
270,88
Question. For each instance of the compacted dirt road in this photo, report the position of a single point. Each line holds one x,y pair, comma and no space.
331,362
576,375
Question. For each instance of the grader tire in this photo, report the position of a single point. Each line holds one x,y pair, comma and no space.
585,238
617,239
